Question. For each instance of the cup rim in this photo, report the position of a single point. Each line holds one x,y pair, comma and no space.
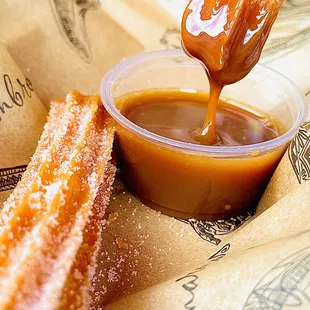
106,92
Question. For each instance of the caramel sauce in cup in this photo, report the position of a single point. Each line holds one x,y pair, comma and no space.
170,170
194,184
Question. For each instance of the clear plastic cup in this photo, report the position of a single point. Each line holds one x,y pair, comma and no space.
196,181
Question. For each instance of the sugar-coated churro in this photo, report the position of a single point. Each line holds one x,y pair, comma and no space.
50,225
76,294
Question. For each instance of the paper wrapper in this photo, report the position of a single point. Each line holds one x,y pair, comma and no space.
293,170
22,117
275,275
66,44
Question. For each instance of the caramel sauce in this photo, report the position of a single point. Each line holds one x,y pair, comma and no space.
188,184
178,115
227,36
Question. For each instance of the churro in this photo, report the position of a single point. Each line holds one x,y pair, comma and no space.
50,218
76,294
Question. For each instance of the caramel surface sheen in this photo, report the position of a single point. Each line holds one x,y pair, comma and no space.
178,115
228,36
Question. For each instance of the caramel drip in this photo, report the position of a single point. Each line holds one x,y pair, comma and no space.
227,36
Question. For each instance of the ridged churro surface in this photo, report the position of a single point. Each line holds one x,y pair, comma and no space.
51,223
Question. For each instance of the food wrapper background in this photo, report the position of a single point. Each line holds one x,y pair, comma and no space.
272,276
61,45
22,117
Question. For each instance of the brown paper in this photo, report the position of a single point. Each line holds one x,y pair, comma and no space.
273,276
293,170
22,117
66,44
